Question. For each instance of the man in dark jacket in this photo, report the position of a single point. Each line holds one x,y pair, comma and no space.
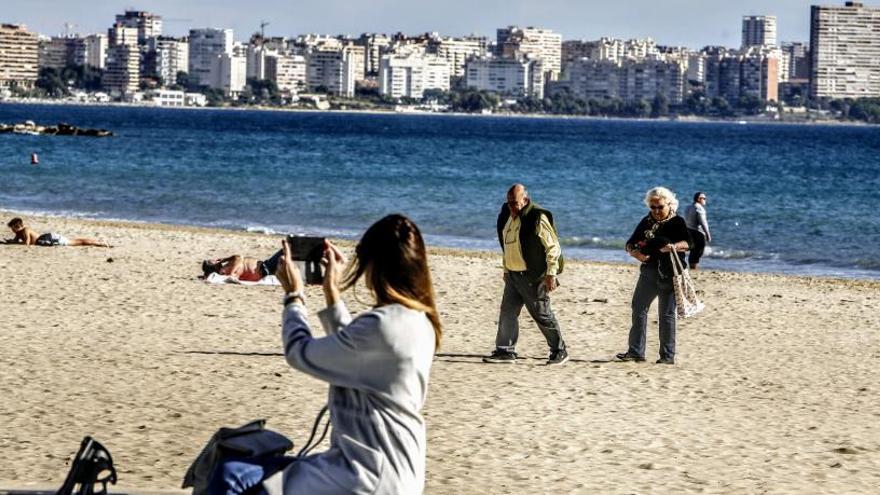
532,259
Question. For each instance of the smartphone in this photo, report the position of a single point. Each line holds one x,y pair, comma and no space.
308,251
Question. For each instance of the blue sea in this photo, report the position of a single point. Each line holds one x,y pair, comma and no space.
782,198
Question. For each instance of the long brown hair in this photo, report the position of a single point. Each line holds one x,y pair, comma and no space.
392,256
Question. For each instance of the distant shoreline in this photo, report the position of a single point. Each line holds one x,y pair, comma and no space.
683,119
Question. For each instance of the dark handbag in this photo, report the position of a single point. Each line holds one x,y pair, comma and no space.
250,440
91,465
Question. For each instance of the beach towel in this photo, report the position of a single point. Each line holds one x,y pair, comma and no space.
216,278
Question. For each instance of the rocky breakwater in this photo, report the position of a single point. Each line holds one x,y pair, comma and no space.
61,129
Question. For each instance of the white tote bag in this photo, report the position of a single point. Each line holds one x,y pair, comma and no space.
687,303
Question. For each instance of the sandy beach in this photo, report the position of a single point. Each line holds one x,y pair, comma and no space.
775,389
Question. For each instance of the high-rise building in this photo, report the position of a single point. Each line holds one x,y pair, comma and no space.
96,50
758,30
288,72
513,42
232,76
206,46
630,79
845,51
456,51
521,76
733,75
408,76
122,75
798,56
166,56
259,49
375,46
19,56
332,70
612,49
147,25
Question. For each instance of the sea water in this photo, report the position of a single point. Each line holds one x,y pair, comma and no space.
794,199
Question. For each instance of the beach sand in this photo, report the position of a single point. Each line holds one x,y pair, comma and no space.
775,388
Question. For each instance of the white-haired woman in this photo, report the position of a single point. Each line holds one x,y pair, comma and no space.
661,231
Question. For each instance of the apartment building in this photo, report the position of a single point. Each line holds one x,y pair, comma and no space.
166,56
758,30
532,42
206,47
457,51
732,75
612,49
288,72
146,24
122,74
409,76
521,76
96,50
630,79
332,69
845,51
19,57
375,45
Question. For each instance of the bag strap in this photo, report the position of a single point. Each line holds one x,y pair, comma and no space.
677,267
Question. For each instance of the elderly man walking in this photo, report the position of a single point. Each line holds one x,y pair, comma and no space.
532,259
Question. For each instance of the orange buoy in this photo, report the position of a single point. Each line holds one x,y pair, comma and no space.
34,159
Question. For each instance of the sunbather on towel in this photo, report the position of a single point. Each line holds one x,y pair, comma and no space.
240,267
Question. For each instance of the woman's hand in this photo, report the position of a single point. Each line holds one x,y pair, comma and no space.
639,255
333,262
669,248
287,271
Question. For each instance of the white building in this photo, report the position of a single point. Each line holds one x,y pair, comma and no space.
166,97
506,76
613,49
146,24
408,76
167,57
206,47
758,30
331,69
629,80
375,45
514,42
96,50
288,72
845,51
457,51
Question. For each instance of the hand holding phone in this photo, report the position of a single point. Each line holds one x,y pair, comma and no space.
308,251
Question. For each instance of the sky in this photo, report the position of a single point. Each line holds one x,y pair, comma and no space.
692,23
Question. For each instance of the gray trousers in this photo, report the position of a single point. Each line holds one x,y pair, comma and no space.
519,292
649,287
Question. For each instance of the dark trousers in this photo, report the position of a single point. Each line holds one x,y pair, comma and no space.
519,292
699,246
269,266
649,287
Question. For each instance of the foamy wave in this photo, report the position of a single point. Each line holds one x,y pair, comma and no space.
596,242
732,254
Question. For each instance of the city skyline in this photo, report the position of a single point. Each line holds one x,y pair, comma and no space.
675,22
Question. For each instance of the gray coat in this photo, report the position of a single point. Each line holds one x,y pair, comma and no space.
377,367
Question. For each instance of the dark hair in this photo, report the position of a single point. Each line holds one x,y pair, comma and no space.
697,195
392,255
15,222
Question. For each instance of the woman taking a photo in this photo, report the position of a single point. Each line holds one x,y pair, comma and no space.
660,232
377,366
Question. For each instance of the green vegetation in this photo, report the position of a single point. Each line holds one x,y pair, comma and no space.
58,83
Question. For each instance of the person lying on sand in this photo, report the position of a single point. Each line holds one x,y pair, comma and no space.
26,236
243,268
